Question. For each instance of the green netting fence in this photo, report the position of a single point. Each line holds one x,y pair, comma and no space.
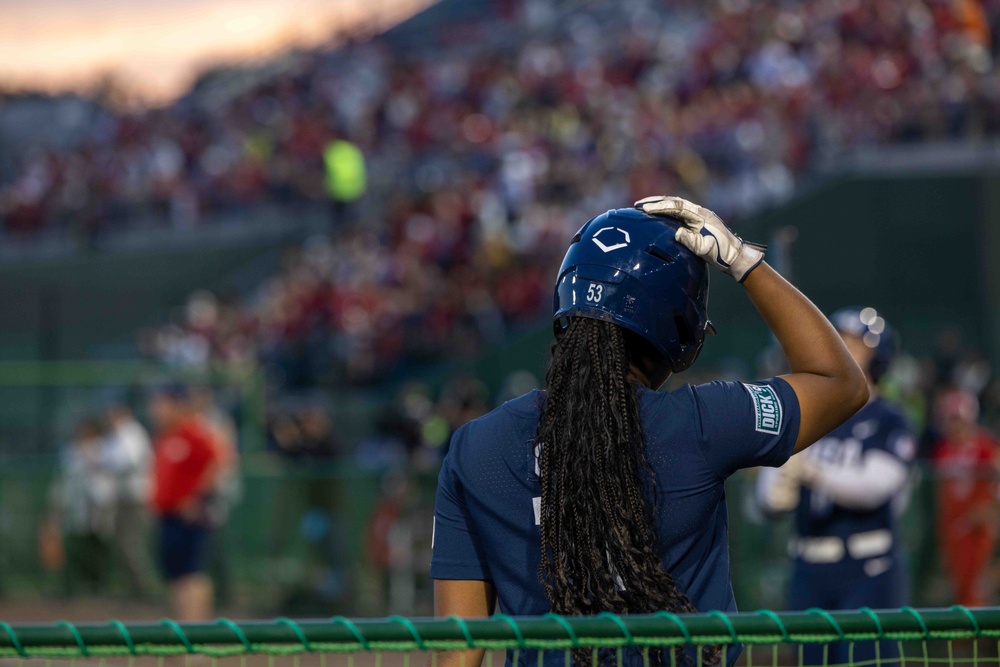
906,636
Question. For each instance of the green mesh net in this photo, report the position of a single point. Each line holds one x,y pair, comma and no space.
863,638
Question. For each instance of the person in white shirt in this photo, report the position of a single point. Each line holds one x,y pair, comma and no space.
132,454
81,520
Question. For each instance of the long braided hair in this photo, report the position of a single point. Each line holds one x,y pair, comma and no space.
599,548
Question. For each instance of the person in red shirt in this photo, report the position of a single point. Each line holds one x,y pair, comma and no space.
186,465
966,462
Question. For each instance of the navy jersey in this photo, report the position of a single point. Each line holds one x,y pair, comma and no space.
877,426
486,516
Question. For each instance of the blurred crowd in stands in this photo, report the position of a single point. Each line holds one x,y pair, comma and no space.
528,117
354,310
480,160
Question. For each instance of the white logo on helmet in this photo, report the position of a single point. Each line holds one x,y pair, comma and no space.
616,246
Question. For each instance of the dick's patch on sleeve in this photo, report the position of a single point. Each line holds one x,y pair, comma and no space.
766,407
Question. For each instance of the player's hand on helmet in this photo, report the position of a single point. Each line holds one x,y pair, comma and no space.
707,236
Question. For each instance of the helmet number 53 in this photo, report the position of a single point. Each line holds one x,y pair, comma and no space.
595,292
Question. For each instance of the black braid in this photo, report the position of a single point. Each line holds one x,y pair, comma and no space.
596,524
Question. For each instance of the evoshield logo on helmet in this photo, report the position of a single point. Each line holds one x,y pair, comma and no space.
616,246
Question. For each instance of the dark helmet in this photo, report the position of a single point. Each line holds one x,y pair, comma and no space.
867,324
625,267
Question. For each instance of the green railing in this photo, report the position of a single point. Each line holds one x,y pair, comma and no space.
935,632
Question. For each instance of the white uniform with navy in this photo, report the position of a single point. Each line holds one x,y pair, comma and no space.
846,550
487,510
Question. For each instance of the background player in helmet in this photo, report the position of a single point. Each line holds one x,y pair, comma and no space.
847,492
600,494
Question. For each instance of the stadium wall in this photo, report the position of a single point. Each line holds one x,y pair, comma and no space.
905,244
93,305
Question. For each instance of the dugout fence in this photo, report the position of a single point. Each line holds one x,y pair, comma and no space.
954,636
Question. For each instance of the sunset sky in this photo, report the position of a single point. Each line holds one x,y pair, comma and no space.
156,46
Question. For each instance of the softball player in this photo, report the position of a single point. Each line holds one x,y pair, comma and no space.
600,494
847,492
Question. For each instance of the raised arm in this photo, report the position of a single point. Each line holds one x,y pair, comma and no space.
827,382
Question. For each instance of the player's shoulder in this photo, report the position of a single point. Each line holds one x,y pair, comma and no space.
499,427
682,394
769,394
678,404
525,406
723,399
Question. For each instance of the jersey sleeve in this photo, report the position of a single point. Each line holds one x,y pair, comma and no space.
457,549
746,425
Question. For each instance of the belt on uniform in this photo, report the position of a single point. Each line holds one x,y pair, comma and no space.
830,549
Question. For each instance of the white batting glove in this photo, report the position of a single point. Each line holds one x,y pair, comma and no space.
707,236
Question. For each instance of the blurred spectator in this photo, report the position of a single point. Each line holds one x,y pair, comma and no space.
309,510
463,399
228,487
345,179
80,529
392,440
731,100
967,462
132,453
991,406
413,432
303,432
187,467
391,543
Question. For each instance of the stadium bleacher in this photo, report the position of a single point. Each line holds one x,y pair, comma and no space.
728,99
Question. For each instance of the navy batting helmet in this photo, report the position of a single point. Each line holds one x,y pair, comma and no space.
625,267
871,327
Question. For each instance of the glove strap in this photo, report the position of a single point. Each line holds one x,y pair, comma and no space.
750,257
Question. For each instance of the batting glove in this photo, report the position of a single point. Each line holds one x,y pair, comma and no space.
707,236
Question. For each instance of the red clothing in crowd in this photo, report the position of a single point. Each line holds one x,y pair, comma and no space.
182,455
967,496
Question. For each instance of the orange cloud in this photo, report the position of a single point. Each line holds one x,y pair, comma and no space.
156,46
